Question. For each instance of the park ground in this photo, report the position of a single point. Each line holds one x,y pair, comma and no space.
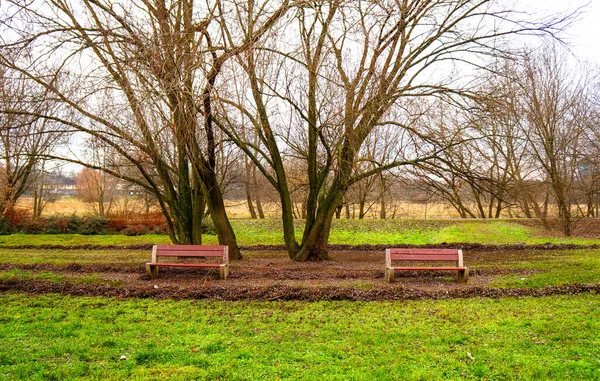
82,307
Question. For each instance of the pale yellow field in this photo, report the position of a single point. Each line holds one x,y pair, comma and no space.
239,209
67,206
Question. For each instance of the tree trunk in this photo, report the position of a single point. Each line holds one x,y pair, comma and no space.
256,193
198,207
249,190
314,243
219,217
338,212
525,208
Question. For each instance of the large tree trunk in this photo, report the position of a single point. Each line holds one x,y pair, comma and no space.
316,235
219,216
314,247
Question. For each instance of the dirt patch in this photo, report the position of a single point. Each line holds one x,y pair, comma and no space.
473,247
283,292
257,269
587,228
350,275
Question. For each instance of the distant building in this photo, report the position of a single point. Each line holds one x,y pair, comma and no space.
61,185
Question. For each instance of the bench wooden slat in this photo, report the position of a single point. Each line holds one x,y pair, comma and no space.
188,253
190,247
418,257
186,264
428,268
424,251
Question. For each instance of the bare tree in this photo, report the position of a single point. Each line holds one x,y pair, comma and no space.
352,63
144,74
24,138
41,189
97,189
555,102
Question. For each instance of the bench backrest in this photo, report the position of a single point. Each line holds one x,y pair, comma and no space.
453,255
190,251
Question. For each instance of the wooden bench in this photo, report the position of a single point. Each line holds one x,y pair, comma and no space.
197,251
426,255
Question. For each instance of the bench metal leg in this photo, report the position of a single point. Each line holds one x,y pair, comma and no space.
389,274
152,271
223,272
462,275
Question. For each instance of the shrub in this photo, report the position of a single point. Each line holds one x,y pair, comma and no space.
208,227
161,228
17,216
56,225
5,226
73,224
120,221
132,230
32,226
92,225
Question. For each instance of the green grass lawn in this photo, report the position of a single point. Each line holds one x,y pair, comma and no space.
352,232
550,268
62,257
56,337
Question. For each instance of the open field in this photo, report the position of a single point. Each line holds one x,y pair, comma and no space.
239,209
354,232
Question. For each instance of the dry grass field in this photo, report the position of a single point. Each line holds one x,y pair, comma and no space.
239,208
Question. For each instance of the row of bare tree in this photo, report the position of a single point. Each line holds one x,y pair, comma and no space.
536,123
164,93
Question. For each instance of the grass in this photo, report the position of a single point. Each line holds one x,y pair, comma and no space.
549,268
353,232
56,337
17,274
53,337
78,239
63,257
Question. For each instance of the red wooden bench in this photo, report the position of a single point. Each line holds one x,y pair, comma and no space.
197,251
426,255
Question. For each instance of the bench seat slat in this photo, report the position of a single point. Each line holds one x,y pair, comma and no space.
419,257
428,268
185,264
424,251
189,247
187,253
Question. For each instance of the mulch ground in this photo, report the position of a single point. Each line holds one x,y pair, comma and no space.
355,274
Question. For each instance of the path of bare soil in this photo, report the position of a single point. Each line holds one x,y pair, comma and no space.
334,247
269,275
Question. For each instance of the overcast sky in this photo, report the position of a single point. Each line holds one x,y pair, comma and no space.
584,35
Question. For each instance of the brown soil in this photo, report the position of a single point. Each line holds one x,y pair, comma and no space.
587,228
351,275
464,246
